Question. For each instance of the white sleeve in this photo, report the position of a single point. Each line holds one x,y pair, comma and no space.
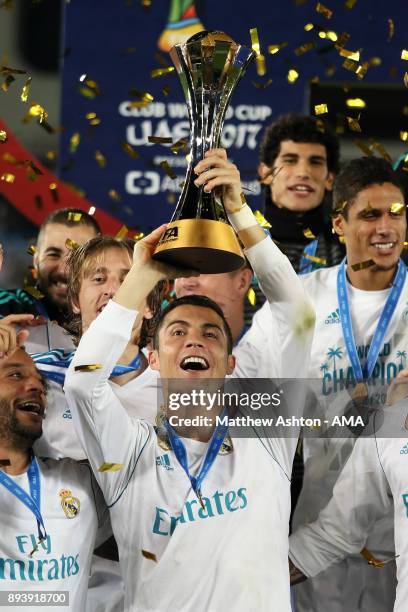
106,432
291,308
360,497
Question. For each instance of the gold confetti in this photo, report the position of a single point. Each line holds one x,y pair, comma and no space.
375,61
292,75
122,233
34,292
26,90
405,245
350,65
404,54
381,150
342,40
406,79
404,135
251,295
5,70
256,47
323,10
362,69
53,187
138,236
304,48
272,49
147,554
160,140
391,29
51,155
309,234
7,82
7,177
89,368
314,259
397,208
71,244
260,218
90,89
158,72
340,208
355,103
262,85
127,148
371,560
3,136
308,27
342,240
260,65
168,169
100,158
332,36
107,467
353,124
144,96
321,109
349,4
352,55
74,216
182,143
36,110
32,249
114,195
363,147
362,265
166,90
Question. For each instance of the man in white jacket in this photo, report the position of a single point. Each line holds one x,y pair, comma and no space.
225,508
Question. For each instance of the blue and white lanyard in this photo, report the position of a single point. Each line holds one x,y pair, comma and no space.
382,326
306,265
54,364
214,446
32,501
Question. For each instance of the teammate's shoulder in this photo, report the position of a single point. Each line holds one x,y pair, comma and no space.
66,465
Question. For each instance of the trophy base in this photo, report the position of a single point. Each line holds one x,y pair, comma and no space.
211,247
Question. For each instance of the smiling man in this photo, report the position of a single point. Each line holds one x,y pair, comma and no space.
299,158
360,343
187,494
50,265
49,510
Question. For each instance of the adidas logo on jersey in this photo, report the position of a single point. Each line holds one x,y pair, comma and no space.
334,317
164,460
404,449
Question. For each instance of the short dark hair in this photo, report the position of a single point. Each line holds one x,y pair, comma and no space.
299,128
193,300
357,175
63,216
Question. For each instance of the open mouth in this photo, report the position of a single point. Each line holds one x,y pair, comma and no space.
32,407
195,364
304,189
383,246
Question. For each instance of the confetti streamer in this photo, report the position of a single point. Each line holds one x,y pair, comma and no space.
352,55
100,158
381,150
355,103
127,148
7,177
292,75
122,233
321,109
353,124
88,368
323,10
160,140
145,553
158,72
109,467
74,216
362,265
314,259
251,295
71,244
309,234
3,136
26,90
397,208
168,169
350,65
256,47
260,218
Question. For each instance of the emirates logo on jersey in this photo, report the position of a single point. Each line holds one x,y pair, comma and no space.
70,505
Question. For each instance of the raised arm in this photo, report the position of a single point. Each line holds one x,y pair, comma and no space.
360,497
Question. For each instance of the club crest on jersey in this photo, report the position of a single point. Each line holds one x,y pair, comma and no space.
69,504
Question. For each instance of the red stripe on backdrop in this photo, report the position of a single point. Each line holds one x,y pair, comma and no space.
34,198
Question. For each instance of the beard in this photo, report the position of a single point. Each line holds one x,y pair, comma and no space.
12,431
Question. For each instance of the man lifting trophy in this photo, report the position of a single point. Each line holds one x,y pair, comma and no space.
199,236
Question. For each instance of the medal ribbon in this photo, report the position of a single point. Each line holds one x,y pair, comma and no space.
305,264
32,501
53,364
382,326
214,446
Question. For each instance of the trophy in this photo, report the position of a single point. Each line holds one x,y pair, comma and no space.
209,66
